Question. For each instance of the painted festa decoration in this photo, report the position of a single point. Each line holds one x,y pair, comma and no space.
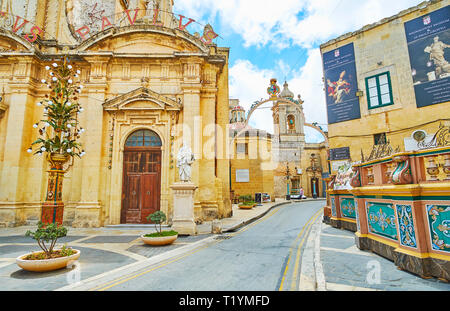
406,226
348,208
402,174
273,90
428,39
439,221
96,20
381,220
333,207
344,176
358,224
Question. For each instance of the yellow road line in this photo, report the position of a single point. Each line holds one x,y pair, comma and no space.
297,260
128,277
294,243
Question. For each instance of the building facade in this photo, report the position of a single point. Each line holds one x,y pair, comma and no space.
149,86
278,164
387,88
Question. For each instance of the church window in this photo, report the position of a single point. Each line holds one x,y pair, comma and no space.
143,138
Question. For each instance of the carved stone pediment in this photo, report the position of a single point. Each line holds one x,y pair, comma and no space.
142,99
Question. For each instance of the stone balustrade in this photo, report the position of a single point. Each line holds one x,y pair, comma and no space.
399,207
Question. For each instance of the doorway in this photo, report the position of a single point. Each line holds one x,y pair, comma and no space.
141,190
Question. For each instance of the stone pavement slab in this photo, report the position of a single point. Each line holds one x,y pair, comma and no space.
348,268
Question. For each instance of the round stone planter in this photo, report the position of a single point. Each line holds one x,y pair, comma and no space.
158,241
46,265
245,206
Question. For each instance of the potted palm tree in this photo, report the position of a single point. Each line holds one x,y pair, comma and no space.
48,259
160,237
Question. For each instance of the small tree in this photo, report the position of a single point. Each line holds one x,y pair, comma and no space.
158,218
47,233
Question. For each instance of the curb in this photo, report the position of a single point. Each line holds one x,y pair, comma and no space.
312,277
110,276
249,221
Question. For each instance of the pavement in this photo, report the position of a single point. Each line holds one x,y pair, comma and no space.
330,260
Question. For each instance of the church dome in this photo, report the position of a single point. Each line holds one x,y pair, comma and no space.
286,93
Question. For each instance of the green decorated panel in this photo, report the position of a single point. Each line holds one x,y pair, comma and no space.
381,220
439,221
348,208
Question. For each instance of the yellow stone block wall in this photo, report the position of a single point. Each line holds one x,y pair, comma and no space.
379,49
259,163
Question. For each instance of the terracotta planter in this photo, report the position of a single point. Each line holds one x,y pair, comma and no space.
245,206
158,241
46,265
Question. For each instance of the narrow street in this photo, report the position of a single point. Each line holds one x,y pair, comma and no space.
264,256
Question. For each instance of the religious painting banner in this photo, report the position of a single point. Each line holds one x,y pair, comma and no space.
341,84
428,39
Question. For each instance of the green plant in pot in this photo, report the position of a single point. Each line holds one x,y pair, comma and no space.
160,237
247,202
48,259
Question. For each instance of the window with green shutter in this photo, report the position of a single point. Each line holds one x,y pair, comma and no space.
379,90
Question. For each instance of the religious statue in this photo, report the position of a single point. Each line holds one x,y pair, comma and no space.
185,159
437,56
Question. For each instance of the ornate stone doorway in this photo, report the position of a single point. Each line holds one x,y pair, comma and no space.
141,190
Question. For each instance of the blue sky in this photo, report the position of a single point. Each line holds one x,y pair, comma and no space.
281,39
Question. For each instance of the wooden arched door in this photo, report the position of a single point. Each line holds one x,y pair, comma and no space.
141,190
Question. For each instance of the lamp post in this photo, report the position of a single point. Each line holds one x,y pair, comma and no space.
314,169
288,177
59,132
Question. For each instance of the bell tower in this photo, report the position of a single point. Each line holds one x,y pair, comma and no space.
289,122
288,141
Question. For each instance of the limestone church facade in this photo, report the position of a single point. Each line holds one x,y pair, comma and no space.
149,86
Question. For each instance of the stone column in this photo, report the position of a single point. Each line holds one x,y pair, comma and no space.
192,122
183,209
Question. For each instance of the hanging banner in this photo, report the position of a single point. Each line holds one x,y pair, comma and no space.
428,39
341,84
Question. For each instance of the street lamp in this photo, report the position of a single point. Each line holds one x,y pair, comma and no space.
314,169
59,132
288,177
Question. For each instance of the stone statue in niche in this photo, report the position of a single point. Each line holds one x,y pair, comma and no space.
185,159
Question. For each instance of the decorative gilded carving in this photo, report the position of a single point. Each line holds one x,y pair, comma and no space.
402,174
432,168
447,166
382,151
440,139
356,179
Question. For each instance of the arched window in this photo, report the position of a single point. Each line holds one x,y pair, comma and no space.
143,138
291,123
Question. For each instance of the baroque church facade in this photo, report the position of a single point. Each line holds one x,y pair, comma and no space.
149,86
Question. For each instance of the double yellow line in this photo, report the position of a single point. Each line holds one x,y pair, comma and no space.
129,277
303,233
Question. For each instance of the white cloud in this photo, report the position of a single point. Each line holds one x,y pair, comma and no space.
304,23
287,24
248,83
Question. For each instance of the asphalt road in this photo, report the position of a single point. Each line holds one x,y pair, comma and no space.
263,256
